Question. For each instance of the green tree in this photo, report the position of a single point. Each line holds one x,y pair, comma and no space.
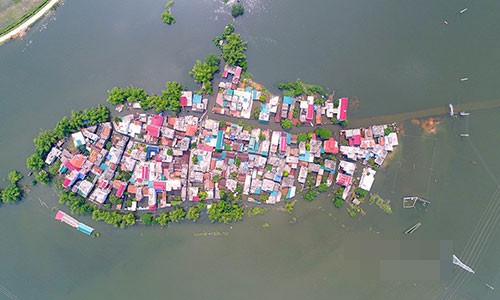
310,195
202,195
11,194
147,219
167,16
302,137
194,159
115,200
128,94
323,133
177,215
170,98
15,176
225,212
286,124
237,10
194,211
232,51
34,162
128,219
43,177
203,72
162,219
289,206
323,187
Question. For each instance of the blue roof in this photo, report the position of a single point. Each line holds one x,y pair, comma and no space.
254,94
274,193
230,92
287,100
103,166
218,144
264,108
196,98
277,178
248,89
288,138
85,229
305,157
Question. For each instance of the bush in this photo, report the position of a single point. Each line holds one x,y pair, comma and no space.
237,10
286,124
323,187
147,219
310,195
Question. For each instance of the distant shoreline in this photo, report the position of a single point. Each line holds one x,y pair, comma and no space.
37,14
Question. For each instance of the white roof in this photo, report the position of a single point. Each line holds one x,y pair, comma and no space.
367,179
78,138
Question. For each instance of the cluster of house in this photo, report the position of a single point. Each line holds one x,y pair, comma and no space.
236,100
159,161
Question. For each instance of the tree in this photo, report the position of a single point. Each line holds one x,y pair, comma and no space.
237,162
323,187
147,219
11,194
232,51
343,123
194,159
302,137
115,200
128,219
286,124
310,195
167,16
43,177
177,215
337,198
237,10
203,72
128,94
225,212
162,219
202,195
15,176
323,133
170,98
361,192
34,162
194,211
289,206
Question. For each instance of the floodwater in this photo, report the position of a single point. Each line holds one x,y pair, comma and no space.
393,56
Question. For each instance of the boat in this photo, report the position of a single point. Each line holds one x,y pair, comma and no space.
451,109
464,113
464,134
489,286
445,22
464,79
413,228
463,10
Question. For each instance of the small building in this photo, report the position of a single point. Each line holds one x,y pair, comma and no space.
342,111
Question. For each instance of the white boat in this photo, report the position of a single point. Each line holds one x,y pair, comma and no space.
451,109
463,10
464,79
464,134
457,262
464,113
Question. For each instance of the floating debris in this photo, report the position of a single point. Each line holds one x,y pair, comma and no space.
413,228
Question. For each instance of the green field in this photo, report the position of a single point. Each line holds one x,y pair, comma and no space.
13,10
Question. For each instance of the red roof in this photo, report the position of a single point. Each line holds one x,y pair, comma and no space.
103,184
342,109
77,161
237,74
145,173
153,130
283,144
68,165
355,140
152,207
157,120
310,111
191,130
183,101
66,183
159,186
196,198
344,179
331,146
120,191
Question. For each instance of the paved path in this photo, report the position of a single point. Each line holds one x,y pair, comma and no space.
21,27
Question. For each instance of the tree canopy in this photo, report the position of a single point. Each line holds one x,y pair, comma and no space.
194,211
297,88
170,98
128,94
225,212
323,133
43,177
203,72
167,16
286,124
237,10
15,176
34,162
177,215
232,51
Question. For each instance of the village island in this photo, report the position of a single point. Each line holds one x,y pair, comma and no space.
167,157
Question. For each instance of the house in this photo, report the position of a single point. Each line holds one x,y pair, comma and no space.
342,110
343,179
331,146
367,179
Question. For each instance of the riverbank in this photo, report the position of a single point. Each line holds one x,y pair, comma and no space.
23,24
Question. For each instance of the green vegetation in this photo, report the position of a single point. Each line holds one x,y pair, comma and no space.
232,46
167,16
170,98
203,72
114,218
225,212
289,206
323,187
384,205
115,200
337,198
79,119
237,10
162,219
237,161
123,175
170,151
266,225
75,203
13,192
310,195
25,17
43,177
297,88
323,133
34,162
361,192
194,212
202,195
177,215
128,94
147,219
255,211
302,137
286,124
351,212
343,123
194,159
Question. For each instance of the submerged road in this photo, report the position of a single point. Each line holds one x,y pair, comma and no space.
21,27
